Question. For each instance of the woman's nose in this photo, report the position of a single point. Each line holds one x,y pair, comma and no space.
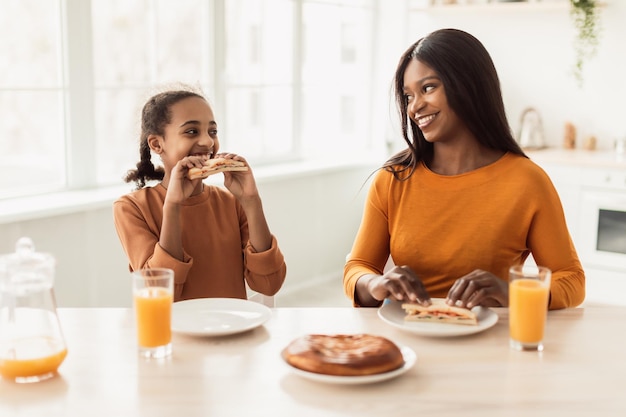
414,105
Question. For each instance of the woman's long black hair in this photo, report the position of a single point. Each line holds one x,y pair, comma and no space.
472,89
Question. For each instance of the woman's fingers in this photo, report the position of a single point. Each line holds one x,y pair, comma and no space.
404,285
478,288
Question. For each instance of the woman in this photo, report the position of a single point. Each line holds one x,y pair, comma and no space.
462,203
214,239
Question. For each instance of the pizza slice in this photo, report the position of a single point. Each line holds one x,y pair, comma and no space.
439,312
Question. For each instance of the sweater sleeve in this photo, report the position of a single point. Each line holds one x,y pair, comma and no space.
551,246
140,241
265,271
370,250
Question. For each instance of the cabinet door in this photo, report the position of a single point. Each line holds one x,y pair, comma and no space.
567,182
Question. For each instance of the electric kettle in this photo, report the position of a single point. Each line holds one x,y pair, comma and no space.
32,346
531,130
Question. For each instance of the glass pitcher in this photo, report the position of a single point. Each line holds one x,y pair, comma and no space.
32,346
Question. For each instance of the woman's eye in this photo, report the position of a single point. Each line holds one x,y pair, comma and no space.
191,132
428,87
213,132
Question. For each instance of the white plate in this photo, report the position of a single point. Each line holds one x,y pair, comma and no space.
217,316
392,313
409,360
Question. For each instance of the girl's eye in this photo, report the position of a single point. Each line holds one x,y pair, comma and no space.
428,87
213,132
192,131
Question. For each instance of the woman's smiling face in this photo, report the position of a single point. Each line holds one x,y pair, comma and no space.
427,104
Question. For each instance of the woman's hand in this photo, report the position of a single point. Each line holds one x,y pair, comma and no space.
479,288
399,283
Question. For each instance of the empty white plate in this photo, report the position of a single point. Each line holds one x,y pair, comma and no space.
217,316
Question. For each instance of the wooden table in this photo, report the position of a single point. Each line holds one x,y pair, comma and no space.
582,371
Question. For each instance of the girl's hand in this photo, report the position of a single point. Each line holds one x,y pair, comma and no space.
401,284
240,183
180,187
479,288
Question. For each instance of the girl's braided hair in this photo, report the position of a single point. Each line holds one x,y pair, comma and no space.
155,115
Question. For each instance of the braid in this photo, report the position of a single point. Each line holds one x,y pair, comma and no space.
154,117
145,168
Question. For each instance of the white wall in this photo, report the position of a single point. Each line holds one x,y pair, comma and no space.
532,47
314,214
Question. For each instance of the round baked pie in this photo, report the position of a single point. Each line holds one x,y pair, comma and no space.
343,354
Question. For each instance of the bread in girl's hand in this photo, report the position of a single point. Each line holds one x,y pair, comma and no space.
215,165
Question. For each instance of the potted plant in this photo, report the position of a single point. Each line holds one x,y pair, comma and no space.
585,17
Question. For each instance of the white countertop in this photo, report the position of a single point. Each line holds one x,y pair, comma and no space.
579,157
582,371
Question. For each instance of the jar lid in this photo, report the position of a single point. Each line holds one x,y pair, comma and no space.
26,265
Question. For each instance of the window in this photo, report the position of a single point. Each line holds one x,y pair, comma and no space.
336,76
32,131
258,79
287,79
138,45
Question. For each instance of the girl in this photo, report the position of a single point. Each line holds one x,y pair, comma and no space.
214,240
462,203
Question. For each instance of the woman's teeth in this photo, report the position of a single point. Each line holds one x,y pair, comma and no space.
423,121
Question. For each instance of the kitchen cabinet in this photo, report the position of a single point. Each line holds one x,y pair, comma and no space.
592,188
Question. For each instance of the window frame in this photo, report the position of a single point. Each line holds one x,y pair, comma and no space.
79,90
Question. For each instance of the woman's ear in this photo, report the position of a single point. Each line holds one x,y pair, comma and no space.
154,142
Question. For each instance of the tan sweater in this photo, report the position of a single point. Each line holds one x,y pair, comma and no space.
217,254
444,227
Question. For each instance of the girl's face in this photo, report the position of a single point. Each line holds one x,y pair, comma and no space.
191,131
427,104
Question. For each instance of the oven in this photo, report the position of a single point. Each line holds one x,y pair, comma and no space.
602,220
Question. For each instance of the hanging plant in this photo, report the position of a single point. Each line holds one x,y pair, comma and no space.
585,17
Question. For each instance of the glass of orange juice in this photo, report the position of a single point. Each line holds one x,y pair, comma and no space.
529,292
153,293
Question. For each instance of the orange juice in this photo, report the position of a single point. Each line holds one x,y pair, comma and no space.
153,310
34,357
528,308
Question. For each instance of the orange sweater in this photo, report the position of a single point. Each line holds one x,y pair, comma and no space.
444,227
217,254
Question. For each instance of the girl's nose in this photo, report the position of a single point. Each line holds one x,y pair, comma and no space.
207,140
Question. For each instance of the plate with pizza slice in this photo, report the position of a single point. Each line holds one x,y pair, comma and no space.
438,320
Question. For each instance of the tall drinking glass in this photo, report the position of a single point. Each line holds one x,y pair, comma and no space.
153,293
529,291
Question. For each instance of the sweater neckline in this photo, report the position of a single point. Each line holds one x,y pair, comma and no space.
489,167
193,200
472,178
